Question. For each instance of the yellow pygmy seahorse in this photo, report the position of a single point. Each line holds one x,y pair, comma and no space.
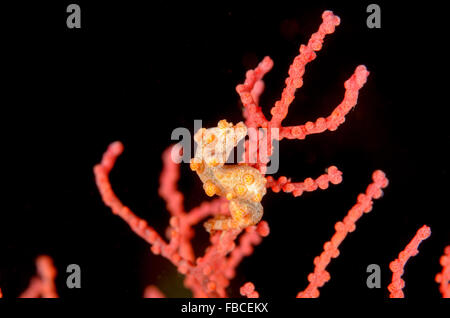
242,185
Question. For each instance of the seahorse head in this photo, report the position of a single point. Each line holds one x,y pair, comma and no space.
214,145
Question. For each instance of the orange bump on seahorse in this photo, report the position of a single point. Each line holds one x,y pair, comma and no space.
242,185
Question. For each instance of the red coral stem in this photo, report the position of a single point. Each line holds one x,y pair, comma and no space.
138,225
397,266
320,275
43,284
443,277
248,290
333,175
337,117
297,69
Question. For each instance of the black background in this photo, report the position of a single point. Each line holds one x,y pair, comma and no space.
134,72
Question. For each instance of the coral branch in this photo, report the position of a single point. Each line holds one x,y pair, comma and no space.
297,69
206,276
138,225
320,276
33,290
207,279
333,175
252,237
250,91
153,292
337,117
397,266
253,86
248,290
180,232
42,285
217,206
168,189
443,277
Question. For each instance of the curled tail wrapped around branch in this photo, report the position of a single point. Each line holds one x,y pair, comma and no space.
243,185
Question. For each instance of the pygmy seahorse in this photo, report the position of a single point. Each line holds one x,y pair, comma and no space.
243,185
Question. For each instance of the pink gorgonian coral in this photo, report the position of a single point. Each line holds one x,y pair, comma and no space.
236,226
